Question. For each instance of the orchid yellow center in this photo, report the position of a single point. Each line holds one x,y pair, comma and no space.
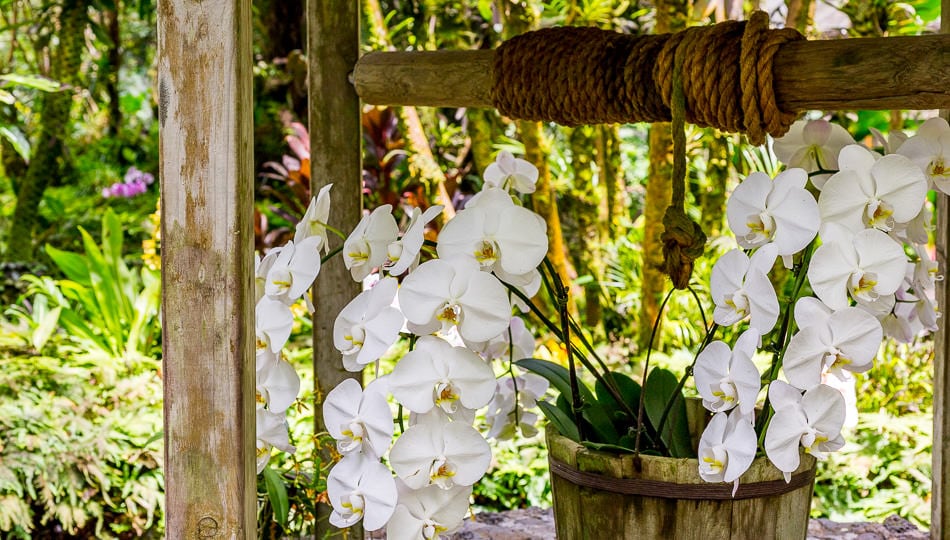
878,215
713,464
938,168
761,228
359,253
432,529
352,505
739,302
862,286
450,313
441,472
356,337
486,253
353,435
446,395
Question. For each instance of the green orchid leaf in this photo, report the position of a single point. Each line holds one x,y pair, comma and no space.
661,387
277,494
559,377
560,420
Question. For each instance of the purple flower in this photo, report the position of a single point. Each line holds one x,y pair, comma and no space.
135,183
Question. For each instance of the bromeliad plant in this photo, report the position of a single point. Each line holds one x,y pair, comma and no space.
854,267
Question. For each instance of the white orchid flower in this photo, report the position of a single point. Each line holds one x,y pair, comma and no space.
810,310
926,272
727,378
870,192
262,266
521,344
403,254
366,247
507,412
865,266
314,221
844,383
929,149
727,448
272,432
813,421
812,144
294,270
428,513
368,326
358,419
273,321
762,210
444,293
436,374
278,385
917,230
509,172
890,143
497,234
848,341
439,452
360,487
740,288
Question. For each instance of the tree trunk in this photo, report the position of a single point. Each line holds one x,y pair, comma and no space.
611,172
49,152
544,198
422,163
800,13
713,194
584,218
115,63
671,15
480,132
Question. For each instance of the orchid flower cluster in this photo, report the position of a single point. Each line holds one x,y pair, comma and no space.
857,236
134,183
457,312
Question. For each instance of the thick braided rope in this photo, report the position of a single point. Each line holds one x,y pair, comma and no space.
576,76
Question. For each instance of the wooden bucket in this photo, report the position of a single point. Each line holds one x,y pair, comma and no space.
603,496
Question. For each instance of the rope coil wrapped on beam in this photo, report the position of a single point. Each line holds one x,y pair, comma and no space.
576,76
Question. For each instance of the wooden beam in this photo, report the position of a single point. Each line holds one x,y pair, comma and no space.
205,143
940,497
871,74
336,157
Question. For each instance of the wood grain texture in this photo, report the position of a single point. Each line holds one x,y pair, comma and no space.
940,497
332,49
585,513
205,143
872,74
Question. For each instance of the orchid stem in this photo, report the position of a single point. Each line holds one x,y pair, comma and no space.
646,368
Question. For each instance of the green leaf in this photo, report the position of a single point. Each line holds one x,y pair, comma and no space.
661,387
31,81
16,138
71,264
46,328
277,494
561,421
559,377
629,391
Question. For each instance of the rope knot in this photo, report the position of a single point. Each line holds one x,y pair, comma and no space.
683,242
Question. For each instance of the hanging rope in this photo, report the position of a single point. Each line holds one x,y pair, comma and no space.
683,239
574,76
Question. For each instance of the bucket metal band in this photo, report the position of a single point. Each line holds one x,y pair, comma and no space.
671,490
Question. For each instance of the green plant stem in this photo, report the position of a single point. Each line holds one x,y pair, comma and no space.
646,368
785,330
584,361
577,404
333,252
689,373
335,231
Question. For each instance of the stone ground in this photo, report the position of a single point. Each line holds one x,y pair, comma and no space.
538,524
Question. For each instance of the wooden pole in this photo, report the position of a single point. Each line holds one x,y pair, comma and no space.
332,49
871,74
205,143
940,500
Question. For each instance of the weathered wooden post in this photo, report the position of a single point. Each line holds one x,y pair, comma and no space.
333,40
940,490
204,82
